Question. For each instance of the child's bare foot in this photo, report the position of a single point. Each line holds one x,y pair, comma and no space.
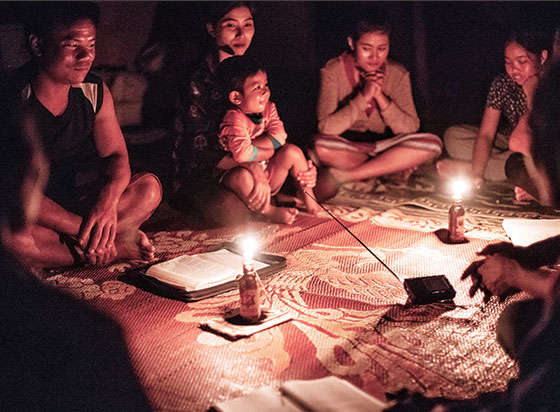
277,214
451,167
311,205
522,196
285,200
135,246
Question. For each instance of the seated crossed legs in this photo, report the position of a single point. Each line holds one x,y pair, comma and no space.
256,187
60,236
344,160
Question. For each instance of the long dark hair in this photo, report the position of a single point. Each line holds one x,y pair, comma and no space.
532,39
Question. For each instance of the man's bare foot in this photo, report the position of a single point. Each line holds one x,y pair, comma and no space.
522,196
451,167
402,176
277,214
312,208
135,246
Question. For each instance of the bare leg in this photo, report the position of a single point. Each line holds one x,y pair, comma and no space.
452,167
290,159
42,246
240,180
137,203
220,206
393,160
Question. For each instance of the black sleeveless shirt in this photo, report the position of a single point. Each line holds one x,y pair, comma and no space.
68,141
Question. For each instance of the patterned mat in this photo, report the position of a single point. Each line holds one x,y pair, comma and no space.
425,195
350,315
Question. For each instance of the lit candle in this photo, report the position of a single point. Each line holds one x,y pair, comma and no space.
249,285
457,213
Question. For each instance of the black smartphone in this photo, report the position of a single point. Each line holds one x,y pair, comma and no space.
429,289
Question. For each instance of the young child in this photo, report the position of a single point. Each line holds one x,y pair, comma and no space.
251,131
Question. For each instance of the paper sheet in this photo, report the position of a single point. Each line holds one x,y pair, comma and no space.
524,232
329,394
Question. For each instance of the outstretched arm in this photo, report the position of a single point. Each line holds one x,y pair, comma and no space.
508,268
483,143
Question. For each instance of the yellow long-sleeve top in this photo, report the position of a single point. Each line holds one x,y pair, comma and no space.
237,132
341,107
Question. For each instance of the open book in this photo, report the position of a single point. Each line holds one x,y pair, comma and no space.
195,272
195,277
330,394
524,232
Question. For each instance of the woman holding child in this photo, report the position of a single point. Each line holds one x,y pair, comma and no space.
197,151
367,118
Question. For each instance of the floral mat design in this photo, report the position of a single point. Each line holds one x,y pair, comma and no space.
350,315
427,196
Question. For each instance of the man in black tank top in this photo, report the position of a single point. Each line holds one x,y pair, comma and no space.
92,208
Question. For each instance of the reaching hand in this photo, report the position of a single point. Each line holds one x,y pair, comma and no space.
498,274
308,178
530,257
495,274
476,277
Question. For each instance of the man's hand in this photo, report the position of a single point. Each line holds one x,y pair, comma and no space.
98,231
530,257
476,277
498,275
308,178
495,274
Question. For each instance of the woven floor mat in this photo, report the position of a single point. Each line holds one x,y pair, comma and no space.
350,317
425,195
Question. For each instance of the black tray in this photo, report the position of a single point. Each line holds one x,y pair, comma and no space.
154,285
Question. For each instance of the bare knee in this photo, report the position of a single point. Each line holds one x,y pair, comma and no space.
148,189
240,180
290,153
22,246
18,243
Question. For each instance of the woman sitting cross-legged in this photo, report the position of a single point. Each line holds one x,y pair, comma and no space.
367,120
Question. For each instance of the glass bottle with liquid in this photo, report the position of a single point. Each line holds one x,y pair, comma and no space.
250,294
457,220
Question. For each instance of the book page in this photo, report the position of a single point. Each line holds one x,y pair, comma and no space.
194,272
331,394
524,232
260,400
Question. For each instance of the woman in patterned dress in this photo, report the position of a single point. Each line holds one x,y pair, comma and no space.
482,151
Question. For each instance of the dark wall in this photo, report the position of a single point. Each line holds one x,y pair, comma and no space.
452,49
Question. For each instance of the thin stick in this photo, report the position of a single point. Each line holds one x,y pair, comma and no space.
354,236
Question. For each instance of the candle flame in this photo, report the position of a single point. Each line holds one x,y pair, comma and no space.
459,187
249,247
